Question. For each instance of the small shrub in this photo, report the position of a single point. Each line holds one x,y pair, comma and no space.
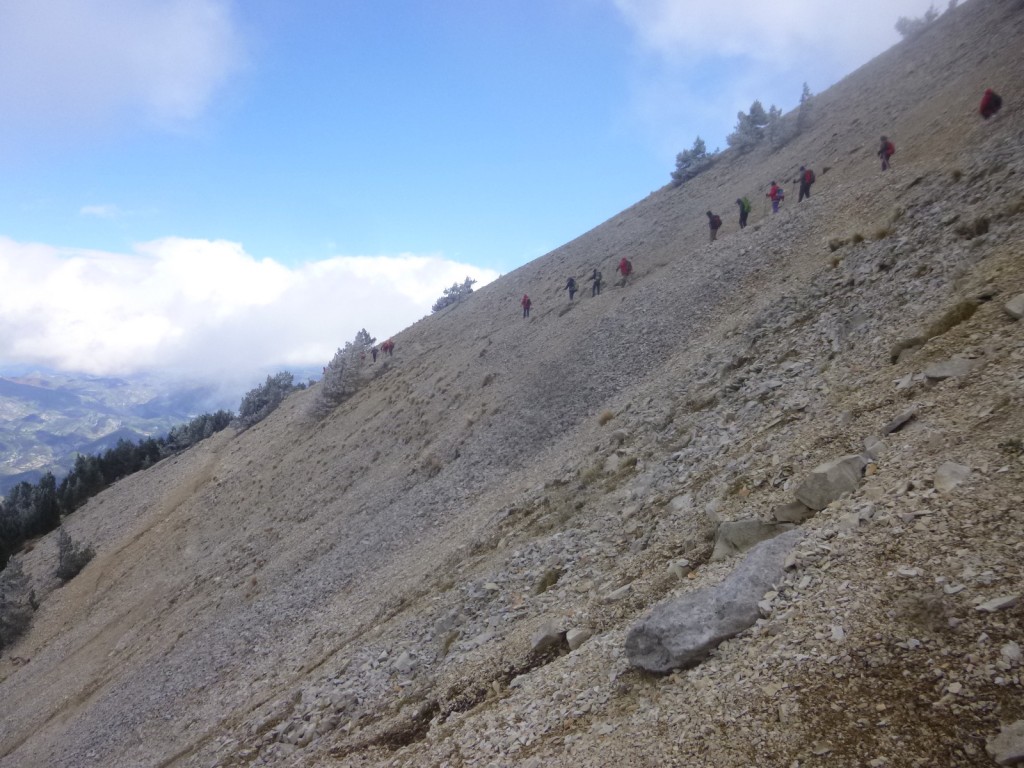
605,417
17,602
881,233
956,175
857,238
71,558
908,27
836,243
261,401
454,295
836,261
976,228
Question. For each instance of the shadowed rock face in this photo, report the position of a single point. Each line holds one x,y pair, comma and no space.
682,632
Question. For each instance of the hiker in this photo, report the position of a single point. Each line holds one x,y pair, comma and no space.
373,351
625,267
744,205
570,286
714,224
776,195
525,301
887,150
388,347
806,179
595,289
991,102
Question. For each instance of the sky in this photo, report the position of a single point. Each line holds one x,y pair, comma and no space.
204,186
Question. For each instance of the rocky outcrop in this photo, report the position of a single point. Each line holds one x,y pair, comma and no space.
681,632
828,481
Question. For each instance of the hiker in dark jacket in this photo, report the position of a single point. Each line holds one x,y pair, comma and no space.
525,301
744,205
806,179
373,351
991,103
714,224
570,286
595,289
886,151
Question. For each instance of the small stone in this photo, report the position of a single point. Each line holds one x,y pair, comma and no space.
1011,652
1015,306
618,594
953,368
999,603
1007,747
577,637
899,421
949,475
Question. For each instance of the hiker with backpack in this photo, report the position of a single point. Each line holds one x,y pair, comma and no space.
525,302
625,267
570,286
776,194
806,179
388,347
595,289
744,205
886,151
991,102
714,224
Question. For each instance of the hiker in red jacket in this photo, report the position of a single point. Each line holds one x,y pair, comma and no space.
387,347
776,195
886,151
714,224
806,179
525,301
625,267
991,102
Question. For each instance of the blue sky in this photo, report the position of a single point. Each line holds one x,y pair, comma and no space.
358,154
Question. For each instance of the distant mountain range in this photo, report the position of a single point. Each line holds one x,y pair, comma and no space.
47,418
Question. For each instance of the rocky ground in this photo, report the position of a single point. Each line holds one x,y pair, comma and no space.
449,569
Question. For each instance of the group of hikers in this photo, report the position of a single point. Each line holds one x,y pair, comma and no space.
991,103
388,347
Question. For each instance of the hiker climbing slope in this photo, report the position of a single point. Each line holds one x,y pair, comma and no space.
806,180
886,151
991,102
526,303
626,268
714,224
570,286
595,289
744,204
776,195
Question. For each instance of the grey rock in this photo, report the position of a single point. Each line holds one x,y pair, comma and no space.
949,475
792,512
1007,746
999,604
547,636
1015,306
953,368
900,421
874,447
576,637
682,503
681,632
735,537
828,481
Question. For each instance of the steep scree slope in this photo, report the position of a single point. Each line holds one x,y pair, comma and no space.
367,590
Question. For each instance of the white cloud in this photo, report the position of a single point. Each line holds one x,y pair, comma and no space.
71,64
100,211
203,308
702,62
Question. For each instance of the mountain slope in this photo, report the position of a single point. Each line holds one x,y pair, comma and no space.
365,590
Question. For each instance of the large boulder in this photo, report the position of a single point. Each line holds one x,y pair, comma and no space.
828,481
681,632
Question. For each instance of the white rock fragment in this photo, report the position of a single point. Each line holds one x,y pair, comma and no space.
949,475
999,603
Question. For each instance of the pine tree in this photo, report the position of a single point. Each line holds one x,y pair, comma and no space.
17,602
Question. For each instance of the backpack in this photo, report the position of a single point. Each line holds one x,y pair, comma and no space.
716,222
745,205
809,177
890,149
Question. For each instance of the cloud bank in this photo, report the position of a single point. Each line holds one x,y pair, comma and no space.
201,308
702,62
72,64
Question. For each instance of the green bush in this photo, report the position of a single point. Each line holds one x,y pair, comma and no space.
17,603
71,558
